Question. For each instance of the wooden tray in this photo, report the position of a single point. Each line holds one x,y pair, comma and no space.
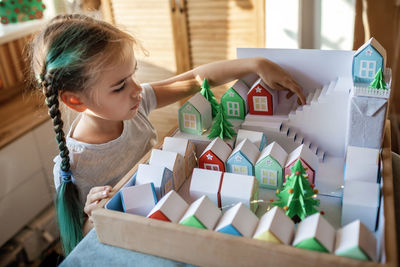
208,248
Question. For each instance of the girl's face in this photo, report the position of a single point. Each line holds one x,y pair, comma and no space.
117,94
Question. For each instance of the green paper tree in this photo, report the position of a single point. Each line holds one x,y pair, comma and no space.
20,10
379,81
208,94
296,197
221,126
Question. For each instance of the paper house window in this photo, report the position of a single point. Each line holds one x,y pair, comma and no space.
240,169
260,103
189,121
269,177
213,167
233,109
367,69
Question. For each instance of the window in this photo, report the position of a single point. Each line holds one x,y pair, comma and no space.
239,169
189,121
260,103
233,109
367,68
213,167
269,177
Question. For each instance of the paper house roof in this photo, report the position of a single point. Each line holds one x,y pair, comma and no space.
205,182
253,136
163,158
317,227
200,103
204,211
178,145
242,89
170,207
304,153
219,148
238,220
248,149
263,85
275,151
158,175
375,44
356,241
138,199
277,225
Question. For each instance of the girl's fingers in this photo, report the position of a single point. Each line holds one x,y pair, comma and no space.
99,188
294,87
89,208
98,196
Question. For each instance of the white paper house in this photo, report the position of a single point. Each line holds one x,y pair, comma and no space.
360,202
362,164
257,138
139,199
172,161
243,158
239,188
170,208
183,147
161,177
356,241
202,213
238,220
275,226
315,233
215,155
205,182
308,159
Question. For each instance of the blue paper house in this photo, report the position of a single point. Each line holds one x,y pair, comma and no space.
367,60
243,158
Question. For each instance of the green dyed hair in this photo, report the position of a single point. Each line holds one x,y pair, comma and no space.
69,55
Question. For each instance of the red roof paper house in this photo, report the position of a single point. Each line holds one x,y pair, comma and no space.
262,100
215,155
170,208
308,159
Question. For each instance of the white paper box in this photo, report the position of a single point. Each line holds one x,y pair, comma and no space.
139,199
362,164
205,182
238,218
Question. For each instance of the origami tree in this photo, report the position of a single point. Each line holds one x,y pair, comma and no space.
221,126
21,10
208,94
297,195
379,81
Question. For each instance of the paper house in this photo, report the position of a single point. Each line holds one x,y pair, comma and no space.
183,147
161,177
262,100
234,101
274,226
170,208
173,161
238,220
308,159
356,241
257,138
202,213
269,169
239,188
195,115
215,155
243,158
367,60
362,164
360,202
139,199
366,121
206,182
315,233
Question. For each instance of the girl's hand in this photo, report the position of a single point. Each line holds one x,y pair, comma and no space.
93,198
279,79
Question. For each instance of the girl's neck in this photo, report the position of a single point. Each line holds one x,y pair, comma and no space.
95,130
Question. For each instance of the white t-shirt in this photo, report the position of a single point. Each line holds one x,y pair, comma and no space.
105,164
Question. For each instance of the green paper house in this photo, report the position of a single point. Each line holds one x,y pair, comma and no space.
269,168
356,241
202,213
195,115
315,233
234,101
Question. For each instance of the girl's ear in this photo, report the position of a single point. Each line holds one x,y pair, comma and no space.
73,101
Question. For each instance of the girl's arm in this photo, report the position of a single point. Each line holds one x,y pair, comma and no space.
178,87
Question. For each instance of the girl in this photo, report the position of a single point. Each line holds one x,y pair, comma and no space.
90,65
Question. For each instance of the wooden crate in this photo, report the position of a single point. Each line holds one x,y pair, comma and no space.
208,248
